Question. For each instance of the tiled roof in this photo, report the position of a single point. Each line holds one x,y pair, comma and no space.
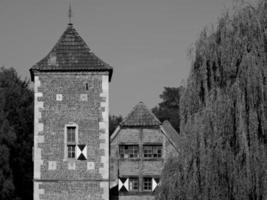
71,53
171,132
140,116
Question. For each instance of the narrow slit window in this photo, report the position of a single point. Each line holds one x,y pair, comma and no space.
86,86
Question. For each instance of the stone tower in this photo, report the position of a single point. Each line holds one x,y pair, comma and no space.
71,107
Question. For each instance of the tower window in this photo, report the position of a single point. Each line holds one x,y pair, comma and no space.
71,134
71,151
72,137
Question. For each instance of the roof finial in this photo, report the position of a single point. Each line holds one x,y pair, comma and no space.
70,13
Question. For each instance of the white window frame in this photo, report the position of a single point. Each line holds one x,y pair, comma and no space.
143,184
71,124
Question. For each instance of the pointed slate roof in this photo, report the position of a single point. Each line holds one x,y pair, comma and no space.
71,53
140,116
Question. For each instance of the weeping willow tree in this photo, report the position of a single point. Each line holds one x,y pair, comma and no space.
224,113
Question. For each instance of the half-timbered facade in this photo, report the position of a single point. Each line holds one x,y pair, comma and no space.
139,147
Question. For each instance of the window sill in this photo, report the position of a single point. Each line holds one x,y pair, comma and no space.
144,159
153,159
130,159
132,193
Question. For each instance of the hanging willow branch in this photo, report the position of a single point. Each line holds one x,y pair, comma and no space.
224,113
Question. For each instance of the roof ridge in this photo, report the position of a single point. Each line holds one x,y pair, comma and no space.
141,117
152,114
127,116
74,31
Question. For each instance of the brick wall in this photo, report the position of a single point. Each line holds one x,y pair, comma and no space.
56,176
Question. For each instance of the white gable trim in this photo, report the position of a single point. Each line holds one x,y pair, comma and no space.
115,133
168,137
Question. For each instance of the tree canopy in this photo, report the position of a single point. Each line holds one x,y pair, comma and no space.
223,113
169,108
114,121
16,136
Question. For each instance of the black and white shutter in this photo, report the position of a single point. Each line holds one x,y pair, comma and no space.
123,184
81,152
155,183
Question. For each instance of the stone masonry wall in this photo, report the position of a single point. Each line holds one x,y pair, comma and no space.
64,99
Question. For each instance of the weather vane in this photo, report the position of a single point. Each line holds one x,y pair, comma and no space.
70,13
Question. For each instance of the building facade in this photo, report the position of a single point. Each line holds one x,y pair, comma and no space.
71,108
139,147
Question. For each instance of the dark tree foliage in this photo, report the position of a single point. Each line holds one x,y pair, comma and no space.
223,149
16,136
7,139
169,108
114,121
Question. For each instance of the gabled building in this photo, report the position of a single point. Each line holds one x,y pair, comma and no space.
71,138
139,148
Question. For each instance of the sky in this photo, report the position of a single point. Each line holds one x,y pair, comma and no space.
145,41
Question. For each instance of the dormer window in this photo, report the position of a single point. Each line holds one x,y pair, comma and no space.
52,60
